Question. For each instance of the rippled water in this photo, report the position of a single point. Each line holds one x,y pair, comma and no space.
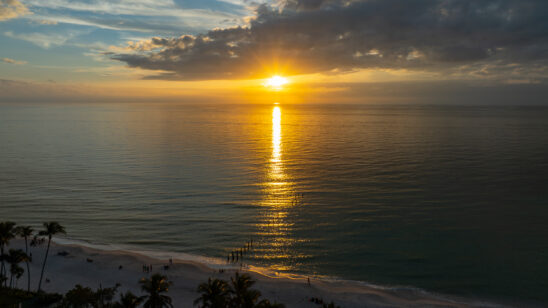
449,199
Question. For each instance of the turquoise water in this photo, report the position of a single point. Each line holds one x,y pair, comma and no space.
448,199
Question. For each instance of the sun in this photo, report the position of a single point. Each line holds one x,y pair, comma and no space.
276,82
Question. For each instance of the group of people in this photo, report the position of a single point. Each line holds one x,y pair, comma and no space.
147,268
237,255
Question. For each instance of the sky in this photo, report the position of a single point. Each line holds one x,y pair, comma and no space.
356,51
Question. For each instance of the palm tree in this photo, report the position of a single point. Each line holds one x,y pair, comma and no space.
129,300
214,294
242,295
16,272
78,297
15,257
103,296
36,241
6,234
52,228
155,286
25,232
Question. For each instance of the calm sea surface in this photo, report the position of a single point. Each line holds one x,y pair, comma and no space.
448,199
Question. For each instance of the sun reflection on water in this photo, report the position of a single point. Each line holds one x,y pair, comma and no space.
276,143
277,188
279,197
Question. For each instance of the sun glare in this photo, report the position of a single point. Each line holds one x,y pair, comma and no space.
276,82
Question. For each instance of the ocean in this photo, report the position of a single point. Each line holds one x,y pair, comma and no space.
448,199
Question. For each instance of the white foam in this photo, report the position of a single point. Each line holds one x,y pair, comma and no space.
214,263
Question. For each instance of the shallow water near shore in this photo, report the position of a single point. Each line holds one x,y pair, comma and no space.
443,198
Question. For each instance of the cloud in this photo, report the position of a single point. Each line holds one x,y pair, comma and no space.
12,9
135,8
339,36
47,22
11,61
41,39
140,15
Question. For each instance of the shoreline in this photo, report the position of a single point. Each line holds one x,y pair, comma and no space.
64,272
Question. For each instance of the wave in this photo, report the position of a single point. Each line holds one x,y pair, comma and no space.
214,263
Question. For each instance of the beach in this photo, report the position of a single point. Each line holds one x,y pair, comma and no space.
106,267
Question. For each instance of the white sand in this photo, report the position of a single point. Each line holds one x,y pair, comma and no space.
64,272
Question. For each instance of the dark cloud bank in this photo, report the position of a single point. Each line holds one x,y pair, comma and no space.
482,38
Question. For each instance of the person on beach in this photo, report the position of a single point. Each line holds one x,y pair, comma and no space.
308,278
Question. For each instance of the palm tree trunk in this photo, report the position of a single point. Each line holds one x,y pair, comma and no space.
28,267
2,269
44,266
